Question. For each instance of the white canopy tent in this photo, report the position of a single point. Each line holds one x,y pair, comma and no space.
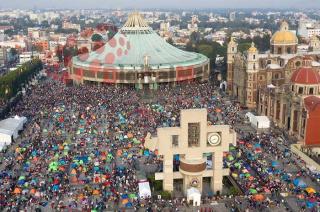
261,122
144,189
258,122
9,129
194,195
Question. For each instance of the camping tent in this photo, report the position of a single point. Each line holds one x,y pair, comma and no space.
144,189
259,122
194,195
9,128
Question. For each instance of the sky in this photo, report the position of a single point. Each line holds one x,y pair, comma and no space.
165,4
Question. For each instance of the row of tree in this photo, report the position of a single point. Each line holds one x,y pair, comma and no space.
12,82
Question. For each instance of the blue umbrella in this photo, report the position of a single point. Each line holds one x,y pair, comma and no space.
129,205
309,204
55,187
298,182
275,163
124,196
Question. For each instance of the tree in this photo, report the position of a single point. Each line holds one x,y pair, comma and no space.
96,37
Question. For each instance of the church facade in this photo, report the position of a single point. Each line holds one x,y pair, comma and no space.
281,83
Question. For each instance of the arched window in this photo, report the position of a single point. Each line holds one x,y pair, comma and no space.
300,90
254,56
279,50
289,50
311,91
254,66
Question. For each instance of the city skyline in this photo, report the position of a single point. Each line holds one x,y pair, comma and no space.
164,4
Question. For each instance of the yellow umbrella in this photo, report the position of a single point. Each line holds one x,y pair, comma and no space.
310,190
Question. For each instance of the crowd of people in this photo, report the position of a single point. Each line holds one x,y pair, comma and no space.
81,142
265,169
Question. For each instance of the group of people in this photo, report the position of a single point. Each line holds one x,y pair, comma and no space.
267,171
83,146
82,143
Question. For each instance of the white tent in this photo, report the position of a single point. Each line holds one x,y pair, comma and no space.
249,116
9,128
260,122
194,195
144,189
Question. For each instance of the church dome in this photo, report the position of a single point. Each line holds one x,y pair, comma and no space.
284,36
305,76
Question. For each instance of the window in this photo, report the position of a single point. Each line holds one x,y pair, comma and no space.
276,76
292,88
269,62
254,56
289,50
311,91
279,50
261,78
254,66
232,49
193,134
298,63
175,140
300,91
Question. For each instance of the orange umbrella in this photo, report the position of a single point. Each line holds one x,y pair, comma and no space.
61,168
73,172
125,201
96,192
80,196
33,191
17,191
130,135
258,197
119,152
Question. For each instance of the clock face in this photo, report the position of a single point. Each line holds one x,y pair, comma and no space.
214,139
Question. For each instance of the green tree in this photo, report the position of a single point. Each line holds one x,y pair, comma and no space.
96,37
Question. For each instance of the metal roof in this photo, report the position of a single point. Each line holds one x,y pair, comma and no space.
135,42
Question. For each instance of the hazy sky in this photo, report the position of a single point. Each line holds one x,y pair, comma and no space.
159,4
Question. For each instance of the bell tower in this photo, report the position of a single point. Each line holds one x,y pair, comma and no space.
231,52
252,76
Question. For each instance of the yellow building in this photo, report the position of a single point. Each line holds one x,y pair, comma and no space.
193,141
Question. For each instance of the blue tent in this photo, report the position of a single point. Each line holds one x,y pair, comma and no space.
55,187
124,196
298,182
129,205
275,163
310,204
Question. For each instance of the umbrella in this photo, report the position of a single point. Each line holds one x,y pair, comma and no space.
125,201
96,192
230,158
132,196
298,182
258,197
274,163
310,190
124,196
17,191
129,205
253,191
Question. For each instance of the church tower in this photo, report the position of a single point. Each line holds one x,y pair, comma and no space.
231,52
315,43
252,76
